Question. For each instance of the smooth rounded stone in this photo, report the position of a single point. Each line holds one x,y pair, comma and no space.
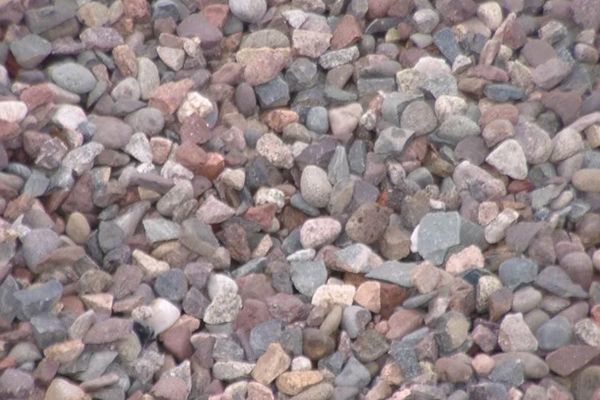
515,272
315,186
127,89
457,127
550,73
566,143
554,333
526,299
72,77
160,315
250,11
344,120
30,50
245,99
568,359
418,117
77,228
490,13
307,276
12,111
275,151
587,180
533,366
509,159
231,370
317,120
319,231
265,38
514,335
509,373
586,383
426,20
455,369
368,223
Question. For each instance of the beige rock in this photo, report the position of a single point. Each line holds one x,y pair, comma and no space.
271,364
467,258
292,383
64,352
61,389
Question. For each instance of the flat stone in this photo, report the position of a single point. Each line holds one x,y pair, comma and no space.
569,359
307,276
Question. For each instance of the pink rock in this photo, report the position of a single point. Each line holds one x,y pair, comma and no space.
467,258
347,32
169,96
310,43
262,64
403,322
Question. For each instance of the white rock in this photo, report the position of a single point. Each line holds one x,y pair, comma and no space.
151,267
219,284
331,294
12,111
490,13
495,230
163,315
275,151
317,232
194,102
139,147
68,116
214,211
509,159
173,58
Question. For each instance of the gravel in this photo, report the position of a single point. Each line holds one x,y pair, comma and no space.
299,199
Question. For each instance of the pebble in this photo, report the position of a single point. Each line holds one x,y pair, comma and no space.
319,231
514,335
368,223
315,186
30,50
72,77
508,158
248,10
586,180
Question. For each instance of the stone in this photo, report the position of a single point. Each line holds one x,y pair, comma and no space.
231,370
248,10
354,374
457,127
214,211
419,118
330,294
62,389
554,334
275,151
30,50
293,383
570,358
315,186
310,43
586,383
72,77
586,180
271,364
262,64
556,281
36,299
108,331
391,141
515,272
509,159
347,32
307,276
550,73
368,223
515,335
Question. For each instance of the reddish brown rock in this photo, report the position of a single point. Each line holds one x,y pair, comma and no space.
279,118
262,64
569,359
403,322
136,9
565,104
176,340
169,96
347,32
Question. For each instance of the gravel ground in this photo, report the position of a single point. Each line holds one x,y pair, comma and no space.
305,199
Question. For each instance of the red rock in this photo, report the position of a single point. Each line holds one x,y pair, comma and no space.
537,52
169,388
252,313
194,129
255,286
169,96
514,35
36,95
229,73
176,340
212,166
499,111
347,32
287,307
197,25
569,359
216,14
190,155
9,130
456,10
378,8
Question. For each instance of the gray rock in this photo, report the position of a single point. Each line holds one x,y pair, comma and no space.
452,332
37,299
503,92
72,77
515,272
250,11
251,267
263,334
509,159
8,303
315,186
394,105
274,93
110,235
148,77
38,244
148,120
457,127
357,156
317,120
161,229
227,349
198,237
446,43
391,141
111,132
394,272
47,329
556,281
354,374
418,117
338,169
42,19
172,285
405,356
335,58
16,384
509,373
554,333
301,74
30,50
307,276
355,320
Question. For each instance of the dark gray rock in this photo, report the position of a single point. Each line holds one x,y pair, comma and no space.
47,329
515,272
172,285
274,93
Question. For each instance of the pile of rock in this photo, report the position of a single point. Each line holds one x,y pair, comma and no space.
305,199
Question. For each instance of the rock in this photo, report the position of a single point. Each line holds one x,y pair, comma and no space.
419,118
330,294
347,32
554,334
262,64
108,331
456,369
509,159
556,281
214,211
271,364
391,141
310,43
275,151
248,10
368,223
515,272
509,373
315,186
569,359
515,335
587,180
344,120
30,50
588,332
566,143
36,299
62,389
550,73
457,127
354,374
293,383
231,370
586,383
15,383
72,77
